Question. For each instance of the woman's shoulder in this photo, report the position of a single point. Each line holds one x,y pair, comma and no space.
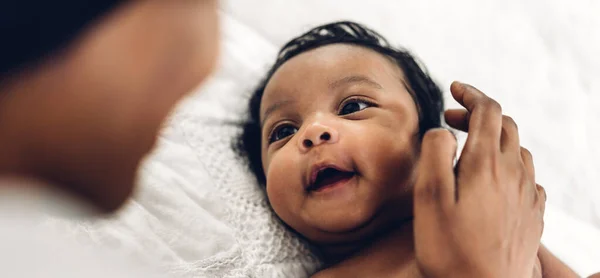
30,248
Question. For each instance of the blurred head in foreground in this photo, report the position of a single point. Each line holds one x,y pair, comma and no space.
85,86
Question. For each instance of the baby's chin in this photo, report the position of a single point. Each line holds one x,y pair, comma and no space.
359,222
345,225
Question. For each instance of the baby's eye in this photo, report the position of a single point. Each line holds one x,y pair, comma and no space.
282,132
353,106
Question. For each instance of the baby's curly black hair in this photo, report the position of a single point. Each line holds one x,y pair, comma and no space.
426,94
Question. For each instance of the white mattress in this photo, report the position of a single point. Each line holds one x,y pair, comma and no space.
198,213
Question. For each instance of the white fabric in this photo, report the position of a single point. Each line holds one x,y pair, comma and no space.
32,249
199,213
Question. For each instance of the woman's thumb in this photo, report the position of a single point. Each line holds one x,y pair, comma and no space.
435,183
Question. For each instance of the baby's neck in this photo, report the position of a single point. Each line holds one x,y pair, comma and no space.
388,253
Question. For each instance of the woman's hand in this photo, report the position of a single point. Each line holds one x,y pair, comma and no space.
483,218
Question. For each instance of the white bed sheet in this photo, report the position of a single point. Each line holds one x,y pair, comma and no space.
198,213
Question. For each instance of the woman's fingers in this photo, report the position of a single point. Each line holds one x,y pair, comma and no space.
509,142
435,185
485,117
539,194
495,184
543,197
527,159
458,119
541,203
434,197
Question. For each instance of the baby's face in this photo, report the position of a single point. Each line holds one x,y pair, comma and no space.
339,143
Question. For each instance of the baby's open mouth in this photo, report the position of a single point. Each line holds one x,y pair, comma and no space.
329,177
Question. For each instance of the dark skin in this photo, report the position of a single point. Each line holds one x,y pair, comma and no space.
482,118
434,204
365,233
491,198
430,255
355,96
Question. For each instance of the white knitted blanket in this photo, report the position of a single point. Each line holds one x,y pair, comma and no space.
198,212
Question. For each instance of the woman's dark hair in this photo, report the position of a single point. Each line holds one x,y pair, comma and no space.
426,94
32,30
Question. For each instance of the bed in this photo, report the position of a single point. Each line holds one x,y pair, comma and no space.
198,212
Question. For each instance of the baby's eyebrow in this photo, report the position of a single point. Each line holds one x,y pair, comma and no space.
360,79
274,107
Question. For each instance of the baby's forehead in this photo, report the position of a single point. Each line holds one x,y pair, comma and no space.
319,68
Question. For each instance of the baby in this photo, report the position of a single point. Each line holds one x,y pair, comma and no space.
334,136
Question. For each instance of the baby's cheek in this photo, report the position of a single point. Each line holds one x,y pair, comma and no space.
284,184
395,158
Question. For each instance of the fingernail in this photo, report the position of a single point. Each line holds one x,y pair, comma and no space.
458,83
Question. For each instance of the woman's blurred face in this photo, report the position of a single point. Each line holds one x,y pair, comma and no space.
87,116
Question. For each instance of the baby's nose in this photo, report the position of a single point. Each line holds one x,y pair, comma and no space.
317,134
